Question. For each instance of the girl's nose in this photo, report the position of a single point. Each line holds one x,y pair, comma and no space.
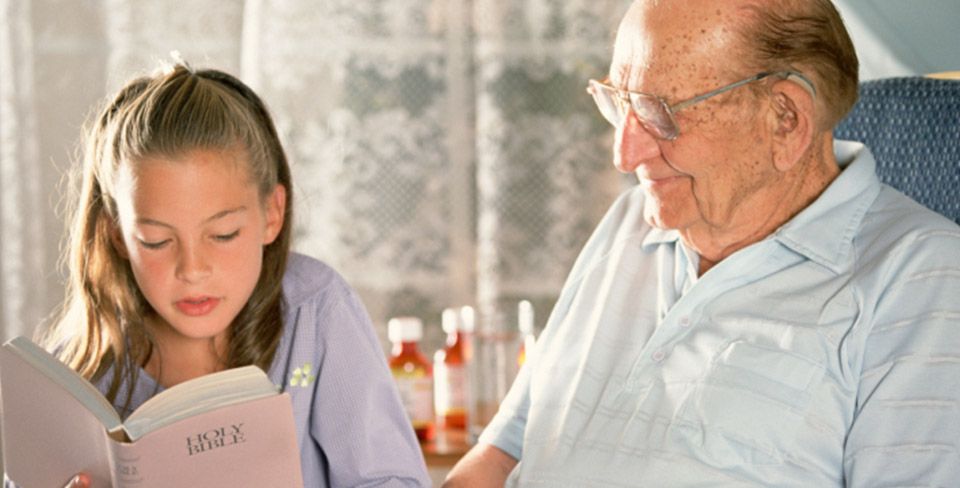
192,266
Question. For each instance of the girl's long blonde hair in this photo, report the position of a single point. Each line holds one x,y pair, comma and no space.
101,323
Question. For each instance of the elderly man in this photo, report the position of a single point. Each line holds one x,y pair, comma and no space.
760,310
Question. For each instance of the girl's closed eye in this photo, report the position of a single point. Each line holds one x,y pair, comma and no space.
227,237
153,244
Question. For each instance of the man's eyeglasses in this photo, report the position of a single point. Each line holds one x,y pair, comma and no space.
656,114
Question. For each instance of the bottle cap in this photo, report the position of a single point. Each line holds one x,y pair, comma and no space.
404,329
450,320
525,317
466,318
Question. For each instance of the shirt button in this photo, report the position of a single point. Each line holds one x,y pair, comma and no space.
685,321
658,355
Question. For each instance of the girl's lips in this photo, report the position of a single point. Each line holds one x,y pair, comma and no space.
196,307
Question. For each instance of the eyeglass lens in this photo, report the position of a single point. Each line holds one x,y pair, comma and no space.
650,110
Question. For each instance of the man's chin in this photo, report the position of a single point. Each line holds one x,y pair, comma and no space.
660,217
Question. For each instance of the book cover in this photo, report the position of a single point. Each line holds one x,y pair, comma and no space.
231,428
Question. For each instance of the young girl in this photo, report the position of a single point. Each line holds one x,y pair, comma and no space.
180,266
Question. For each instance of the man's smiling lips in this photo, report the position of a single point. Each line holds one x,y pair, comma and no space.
197,306
659,181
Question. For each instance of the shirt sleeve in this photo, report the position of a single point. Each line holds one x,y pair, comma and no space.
906,430
624,218
357,417
505,430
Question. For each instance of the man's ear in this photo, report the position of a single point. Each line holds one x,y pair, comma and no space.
794,112
275,210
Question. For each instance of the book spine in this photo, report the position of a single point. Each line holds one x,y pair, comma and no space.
125,465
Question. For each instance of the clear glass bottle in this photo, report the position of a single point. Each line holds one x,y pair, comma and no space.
451,383
474,393
527,333
412,373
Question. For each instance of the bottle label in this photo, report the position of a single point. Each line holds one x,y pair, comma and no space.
451,388
416,393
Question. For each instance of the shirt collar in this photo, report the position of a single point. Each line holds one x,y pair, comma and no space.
824,231
657,236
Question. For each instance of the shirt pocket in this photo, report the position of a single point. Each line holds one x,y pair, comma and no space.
749,404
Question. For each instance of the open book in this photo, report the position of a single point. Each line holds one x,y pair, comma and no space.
226,429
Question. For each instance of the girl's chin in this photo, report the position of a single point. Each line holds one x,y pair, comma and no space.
190,328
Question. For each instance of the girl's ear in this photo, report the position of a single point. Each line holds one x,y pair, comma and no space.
275,209
116,238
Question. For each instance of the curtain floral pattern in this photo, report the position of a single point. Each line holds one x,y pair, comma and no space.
444,152
447,152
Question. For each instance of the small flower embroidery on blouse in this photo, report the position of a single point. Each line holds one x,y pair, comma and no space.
302,376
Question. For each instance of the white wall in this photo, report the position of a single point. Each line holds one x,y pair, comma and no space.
901,38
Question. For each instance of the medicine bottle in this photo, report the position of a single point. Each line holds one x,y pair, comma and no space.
451,383
412,373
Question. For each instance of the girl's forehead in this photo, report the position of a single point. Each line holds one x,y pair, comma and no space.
197,169
226,161
200,155
184,192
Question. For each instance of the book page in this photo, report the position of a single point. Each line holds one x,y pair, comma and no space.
49,435
66,378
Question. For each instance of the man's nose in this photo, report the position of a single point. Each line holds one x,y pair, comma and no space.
633,145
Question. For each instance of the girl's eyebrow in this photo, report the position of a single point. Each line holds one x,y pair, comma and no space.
216,216
224,213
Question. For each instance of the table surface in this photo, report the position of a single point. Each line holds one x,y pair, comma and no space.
446,448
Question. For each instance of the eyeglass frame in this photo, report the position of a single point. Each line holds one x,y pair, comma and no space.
627,98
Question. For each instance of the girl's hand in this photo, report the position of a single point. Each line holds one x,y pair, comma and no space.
81,480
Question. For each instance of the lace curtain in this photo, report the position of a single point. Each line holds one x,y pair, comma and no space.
444,152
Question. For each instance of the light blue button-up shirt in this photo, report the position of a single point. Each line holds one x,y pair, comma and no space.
827,354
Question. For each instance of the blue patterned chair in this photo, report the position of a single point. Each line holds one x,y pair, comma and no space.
912,125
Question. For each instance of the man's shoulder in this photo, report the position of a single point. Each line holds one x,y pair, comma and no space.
897,227
899,216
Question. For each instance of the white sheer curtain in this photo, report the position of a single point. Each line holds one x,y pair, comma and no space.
444,152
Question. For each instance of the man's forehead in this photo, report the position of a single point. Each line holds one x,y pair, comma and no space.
671,38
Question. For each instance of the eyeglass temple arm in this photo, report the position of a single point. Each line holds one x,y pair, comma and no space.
802,80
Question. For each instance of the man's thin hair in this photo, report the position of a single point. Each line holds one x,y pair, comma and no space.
807,36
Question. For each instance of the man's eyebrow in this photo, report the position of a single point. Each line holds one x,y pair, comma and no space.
620,77
216,216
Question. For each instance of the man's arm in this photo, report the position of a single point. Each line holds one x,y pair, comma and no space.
484,465
907,426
